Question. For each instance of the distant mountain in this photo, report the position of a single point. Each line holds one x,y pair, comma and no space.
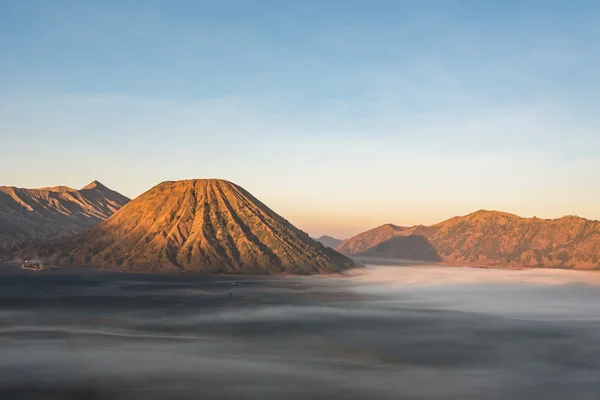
207,225
33,215
494,239
366,240
329,241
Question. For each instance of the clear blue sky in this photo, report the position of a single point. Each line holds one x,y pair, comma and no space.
340,115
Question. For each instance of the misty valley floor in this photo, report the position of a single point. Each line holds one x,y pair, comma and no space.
430,333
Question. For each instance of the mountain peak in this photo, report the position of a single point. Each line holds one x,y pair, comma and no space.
195,182
392,226
485,214
329,241
325,237
93,185
197,185
489,212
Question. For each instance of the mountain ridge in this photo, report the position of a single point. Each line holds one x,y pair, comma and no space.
493,238
34,215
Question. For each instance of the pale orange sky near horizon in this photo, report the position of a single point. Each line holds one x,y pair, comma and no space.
345,216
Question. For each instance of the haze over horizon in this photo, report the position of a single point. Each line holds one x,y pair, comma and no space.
339,116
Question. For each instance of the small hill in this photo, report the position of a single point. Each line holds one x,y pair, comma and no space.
410,247
366,240
497,239
34,215
329,241
204,225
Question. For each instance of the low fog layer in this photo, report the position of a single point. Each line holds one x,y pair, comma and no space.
435,275
426,333
537,294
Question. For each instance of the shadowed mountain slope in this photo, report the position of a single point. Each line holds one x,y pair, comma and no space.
329,241
364,241
499,239
32,215
208,225
411,247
